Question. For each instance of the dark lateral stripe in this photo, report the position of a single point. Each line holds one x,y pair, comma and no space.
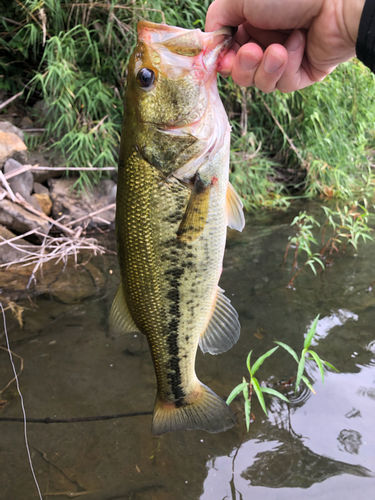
174,277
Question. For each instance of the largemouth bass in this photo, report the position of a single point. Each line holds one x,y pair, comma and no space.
174,203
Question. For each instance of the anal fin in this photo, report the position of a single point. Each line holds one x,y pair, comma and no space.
120,320
236,218
194,219
223,330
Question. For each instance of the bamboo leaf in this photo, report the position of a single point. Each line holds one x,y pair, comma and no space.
273,392
318,361
301,367
260,360
259,394
311,333
307,382
235,392
248,361
330,366
247,407
291,351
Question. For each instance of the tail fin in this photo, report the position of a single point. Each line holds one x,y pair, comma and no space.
206,411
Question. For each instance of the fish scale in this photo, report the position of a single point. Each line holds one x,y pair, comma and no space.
171,218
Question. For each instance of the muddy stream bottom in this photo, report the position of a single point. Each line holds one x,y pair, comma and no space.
319,447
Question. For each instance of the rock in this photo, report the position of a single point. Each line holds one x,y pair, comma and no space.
9,127
43,160
44,202
26,122
22,183
74,205
40,189
76,283
11,146
69,284
19,220
7,252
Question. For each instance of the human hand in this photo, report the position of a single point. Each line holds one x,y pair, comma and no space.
286,44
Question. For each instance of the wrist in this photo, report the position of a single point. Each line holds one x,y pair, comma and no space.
351,14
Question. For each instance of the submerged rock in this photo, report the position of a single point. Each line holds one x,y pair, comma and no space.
67,284
74,205
7,251
19,220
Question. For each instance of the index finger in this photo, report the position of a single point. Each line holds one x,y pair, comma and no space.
224,13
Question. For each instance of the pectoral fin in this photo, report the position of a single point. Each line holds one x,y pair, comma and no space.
223,330
120,320
236,218
195,217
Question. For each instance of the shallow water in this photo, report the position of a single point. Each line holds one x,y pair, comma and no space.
320,446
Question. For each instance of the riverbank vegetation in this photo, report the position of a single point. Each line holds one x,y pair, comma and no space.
72,56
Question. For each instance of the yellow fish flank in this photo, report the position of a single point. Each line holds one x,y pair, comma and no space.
174,203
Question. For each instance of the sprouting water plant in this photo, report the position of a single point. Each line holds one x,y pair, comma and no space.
253,386
247,388
302,242
349,225
314,357
346,225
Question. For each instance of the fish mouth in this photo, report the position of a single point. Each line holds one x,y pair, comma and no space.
216,45
188,42
184,51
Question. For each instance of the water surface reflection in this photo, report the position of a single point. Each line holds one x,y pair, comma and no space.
320,446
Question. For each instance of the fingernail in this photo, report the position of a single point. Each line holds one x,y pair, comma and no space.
272,63
294,41
248,62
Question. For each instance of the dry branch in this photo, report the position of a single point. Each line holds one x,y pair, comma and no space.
17,171
92,214
284,133
7,187
21,201
59,249
18,374
5,103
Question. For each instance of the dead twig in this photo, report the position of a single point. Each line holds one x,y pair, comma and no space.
36,167
5,103
48,420
7,187
59,249
21,201
17,171
16,310
37,265
5,242
92,214
33,17
284,133
18,374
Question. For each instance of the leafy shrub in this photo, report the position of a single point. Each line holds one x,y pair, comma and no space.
73,55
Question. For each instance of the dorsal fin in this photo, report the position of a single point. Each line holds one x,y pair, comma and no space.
223,330
120,320
236,218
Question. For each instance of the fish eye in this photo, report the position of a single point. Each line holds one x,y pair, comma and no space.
146,78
